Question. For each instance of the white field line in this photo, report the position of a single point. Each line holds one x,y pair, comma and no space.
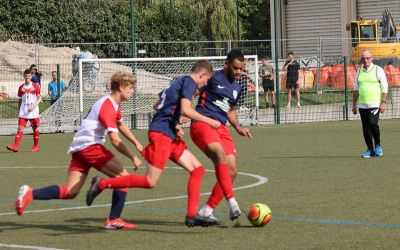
28,247
261,180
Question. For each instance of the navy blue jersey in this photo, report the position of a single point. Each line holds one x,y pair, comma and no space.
169,109
220,94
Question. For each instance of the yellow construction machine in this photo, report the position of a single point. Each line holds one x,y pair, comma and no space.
385,49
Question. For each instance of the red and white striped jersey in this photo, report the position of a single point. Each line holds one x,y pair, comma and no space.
101,119
28,94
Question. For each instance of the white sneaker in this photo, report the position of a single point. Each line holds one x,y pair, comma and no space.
205,212
210,216
288,106
298,105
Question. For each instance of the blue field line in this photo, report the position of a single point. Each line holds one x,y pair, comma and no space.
337,222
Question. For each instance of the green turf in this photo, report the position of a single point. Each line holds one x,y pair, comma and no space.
321,193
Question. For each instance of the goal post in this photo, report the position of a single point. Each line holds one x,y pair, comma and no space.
153,75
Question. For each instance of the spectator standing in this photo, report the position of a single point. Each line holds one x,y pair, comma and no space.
36,75
247,85
53,91
267,73
292,68
370,90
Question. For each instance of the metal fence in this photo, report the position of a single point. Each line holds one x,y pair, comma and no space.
324,96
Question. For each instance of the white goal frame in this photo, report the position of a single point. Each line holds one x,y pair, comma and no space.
153,75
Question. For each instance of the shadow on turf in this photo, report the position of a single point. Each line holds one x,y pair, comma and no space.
140,223
311,157
145,222
95,225
63,229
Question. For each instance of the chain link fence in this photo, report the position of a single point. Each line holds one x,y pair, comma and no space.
323,78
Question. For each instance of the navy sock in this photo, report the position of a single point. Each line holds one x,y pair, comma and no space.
46,193
118,202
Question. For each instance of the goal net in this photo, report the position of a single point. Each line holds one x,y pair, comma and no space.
153,75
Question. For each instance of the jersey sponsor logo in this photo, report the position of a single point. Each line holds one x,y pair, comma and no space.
224,104
235,94
221,87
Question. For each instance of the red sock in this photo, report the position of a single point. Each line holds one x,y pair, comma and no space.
224,179
128,181
18,137
62,191
36,138
193,190
216,196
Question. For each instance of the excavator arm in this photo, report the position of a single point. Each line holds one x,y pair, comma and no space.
388,27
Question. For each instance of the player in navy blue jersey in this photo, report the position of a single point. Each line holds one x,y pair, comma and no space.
218,101
165,142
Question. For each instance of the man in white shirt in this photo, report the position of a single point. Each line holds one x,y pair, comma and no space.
370,90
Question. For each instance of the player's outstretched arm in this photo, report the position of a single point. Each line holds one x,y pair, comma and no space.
120,146
232,118
126,132
188,111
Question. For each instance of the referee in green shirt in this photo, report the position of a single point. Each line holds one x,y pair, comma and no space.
370,91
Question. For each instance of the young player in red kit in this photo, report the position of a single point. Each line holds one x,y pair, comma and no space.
165,142
87,150
29,99
218,101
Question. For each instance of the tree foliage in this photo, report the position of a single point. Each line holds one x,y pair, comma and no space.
256,19
94,21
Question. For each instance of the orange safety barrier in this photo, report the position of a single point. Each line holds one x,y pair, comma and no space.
324,77
306,79
334,75
340,77
282,79
393,75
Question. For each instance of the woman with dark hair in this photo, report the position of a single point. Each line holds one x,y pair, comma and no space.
36,75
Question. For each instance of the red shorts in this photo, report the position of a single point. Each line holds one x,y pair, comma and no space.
203,134
92,156
161,148
34,122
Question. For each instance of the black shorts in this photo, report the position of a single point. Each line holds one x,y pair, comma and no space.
268,85
291,83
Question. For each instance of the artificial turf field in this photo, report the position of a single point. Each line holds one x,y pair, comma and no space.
321,193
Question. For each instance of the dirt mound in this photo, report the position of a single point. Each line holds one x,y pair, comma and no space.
18,53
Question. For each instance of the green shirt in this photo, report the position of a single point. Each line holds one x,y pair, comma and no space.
369,88
266,70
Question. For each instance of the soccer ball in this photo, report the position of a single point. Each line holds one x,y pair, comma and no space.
259,214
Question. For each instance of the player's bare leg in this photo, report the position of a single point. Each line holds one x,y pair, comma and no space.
298,97
113,168
289,97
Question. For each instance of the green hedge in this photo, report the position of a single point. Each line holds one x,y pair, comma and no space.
90,21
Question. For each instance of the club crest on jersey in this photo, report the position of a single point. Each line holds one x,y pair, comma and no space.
235,94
